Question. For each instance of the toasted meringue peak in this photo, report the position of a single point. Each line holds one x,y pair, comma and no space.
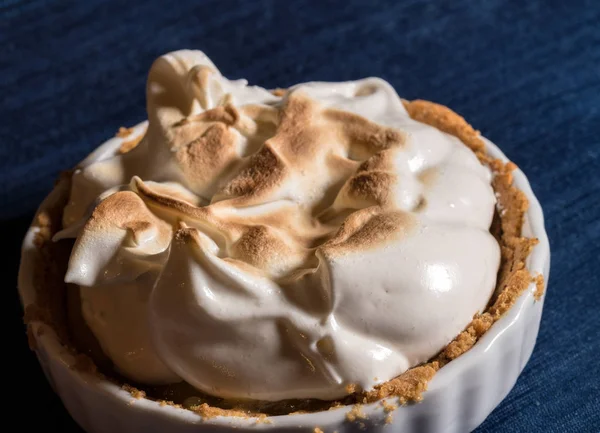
369,227
121,240
278,246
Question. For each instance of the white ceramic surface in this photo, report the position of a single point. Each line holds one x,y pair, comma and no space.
460,397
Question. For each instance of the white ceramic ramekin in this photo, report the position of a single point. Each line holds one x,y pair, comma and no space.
461,395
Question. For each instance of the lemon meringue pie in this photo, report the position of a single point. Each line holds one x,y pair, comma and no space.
304,244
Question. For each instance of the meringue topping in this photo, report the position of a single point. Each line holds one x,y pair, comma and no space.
273,247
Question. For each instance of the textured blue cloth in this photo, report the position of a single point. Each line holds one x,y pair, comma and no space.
526,73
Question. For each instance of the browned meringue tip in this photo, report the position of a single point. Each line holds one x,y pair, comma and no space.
367,228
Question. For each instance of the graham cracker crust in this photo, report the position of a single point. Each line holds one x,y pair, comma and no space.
513,279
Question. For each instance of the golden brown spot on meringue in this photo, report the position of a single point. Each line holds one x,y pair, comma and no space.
123,209
297,136
362,132
206,157
264,248
265,170
367,228
256,243
127,211
373,187
137,226
382,160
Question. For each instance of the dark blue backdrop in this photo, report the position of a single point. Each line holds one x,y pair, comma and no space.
526,73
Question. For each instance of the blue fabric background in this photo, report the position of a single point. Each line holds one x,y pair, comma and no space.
526,73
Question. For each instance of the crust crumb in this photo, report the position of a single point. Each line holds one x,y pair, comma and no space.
317,430
388,407
539,287
356,413
135,393
208,412
466,340
127,146
124,132
263,419
409,386
163,403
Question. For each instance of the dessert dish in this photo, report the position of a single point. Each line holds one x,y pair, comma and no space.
278,256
